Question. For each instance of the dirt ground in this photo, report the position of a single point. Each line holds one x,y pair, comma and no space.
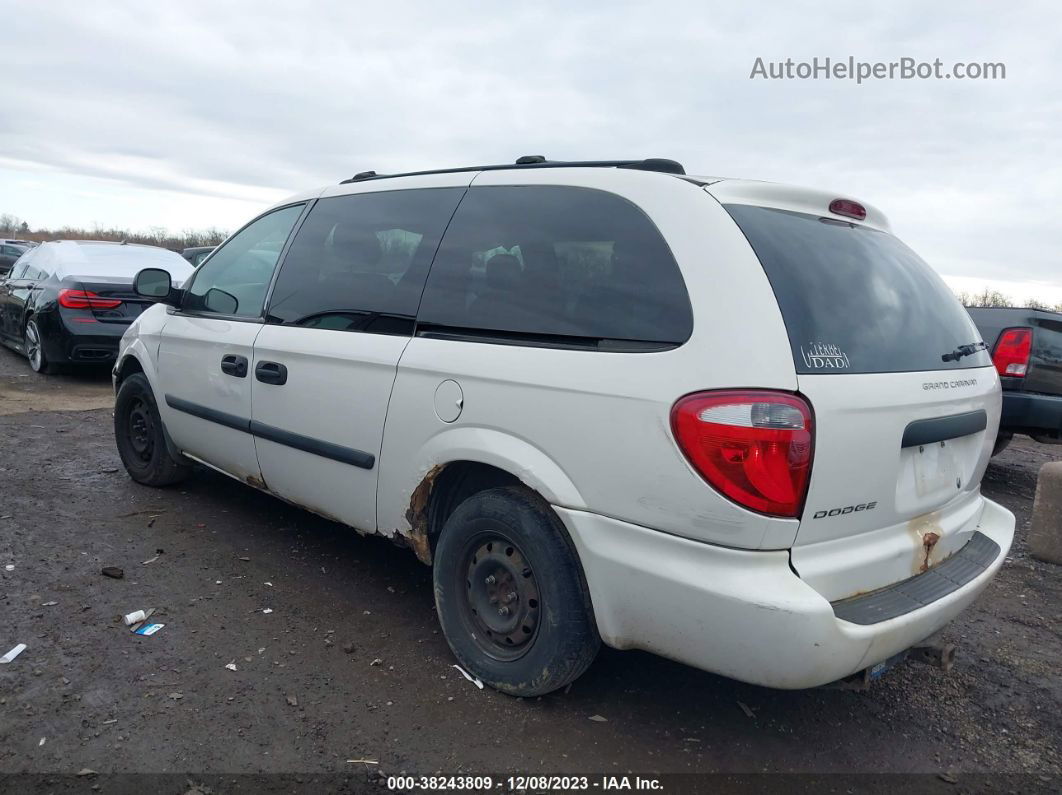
349,664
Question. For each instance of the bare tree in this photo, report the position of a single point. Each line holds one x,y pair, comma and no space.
11,225
993,298
990,297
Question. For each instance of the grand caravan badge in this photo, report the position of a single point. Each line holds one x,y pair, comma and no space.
822,356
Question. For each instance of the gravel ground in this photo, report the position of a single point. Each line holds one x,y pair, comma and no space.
349,663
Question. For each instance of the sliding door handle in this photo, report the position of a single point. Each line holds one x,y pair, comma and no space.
271,373
235,366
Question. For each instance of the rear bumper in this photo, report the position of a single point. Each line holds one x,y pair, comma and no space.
1031,413
69,341
745,614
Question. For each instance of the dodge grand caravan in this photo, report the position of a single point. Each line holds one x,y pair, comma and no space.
737,424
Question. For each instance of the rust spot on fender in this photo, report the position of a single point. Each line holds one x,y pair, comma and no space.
417,516
418,543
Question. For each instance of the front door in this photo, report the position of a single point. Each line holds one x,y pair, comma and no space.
204,361
338,319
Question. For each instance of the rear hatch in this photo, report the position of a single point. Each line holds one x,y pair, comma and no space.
906,403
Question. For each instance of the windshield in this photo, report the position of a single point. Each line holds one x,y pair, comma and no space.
857,300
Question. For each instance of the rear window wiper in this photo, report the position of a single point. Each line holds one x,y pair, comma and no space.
964,350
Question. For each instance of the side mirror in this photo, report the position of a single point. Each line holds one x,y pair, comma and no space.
153,283
220,301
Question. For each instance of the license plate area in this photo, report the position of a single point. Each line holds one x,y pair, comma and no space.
932,474
935,468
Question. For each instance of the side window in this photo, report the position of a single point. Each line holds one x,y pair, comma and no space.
559,262
235,280
358,262
24,268
21,265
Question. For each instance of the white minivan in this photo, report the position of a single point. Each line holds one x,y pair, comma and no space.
733,423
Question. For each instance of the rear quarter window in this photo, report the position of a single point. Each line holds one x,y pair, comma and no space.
574,265
855,299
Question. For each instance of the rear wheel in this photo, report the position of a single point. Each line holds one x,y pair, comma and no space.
34,345
510,594
140,438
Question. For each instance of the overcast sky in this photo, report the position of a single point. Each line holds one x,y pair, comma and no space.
198,114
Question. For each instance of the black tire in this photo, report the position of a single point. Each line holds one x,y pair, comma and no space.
504,548
140,438
1001,443
34,345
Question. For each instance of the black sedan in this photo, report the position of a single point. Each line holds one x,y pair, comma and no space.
69,302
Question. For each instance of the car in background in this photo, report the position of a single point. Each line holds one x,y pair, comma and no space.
1026,346
70,301
197,254
10,251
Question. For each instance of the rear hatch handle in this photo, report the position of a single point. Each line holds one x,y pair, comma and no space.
939,429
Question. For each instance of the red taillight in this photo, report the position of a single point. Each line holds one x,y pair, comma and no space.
848,208
1011,356
83,299
755,447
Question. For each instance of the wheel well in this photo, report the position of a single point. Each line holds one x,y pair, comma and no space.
456,483
130,365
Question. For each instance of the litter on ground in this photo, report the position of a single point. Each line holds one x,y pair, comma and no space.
15,652
474,680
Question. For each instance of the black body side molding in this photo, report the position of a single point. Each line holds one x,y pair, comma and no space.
335,452
939,429
209,414
345,455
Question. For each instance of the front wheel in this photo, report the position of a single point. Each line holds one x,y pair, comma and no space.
140,438
510,594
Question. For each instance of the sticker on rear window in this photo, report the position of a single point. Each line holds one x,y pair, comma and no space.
823,356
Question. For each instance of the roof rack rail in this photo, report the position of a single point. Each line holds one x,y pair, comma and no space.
659,164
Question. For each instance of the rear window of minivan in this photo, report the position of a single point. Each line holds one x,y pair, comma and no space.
556,265
855,299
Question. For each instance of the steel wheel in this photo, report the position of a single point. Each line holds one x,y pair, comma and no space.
501,597
510,594
33,347
141,435
141,430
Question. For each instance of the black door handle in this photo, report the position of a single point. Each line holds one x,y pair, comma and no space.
234,365
271,373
